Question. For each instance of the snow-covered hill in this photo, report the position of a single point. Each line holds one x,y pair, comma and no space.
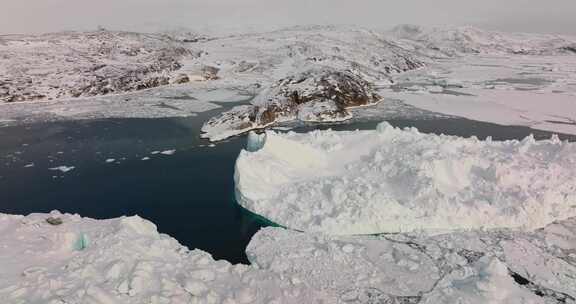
71,64
283,53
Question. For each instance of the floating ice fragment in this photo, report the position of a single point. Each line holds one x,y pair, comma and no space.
168,152
110,160
63,169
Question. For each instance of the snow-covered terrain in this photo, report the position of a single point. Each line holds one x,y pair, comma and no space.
393,180
505,78
461,213
61,258
63,65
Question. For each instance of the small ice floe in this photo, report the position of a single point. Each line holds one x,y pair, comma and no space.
30,165
282,128
146,158
168,152
155,152
63,169
110,160
211,145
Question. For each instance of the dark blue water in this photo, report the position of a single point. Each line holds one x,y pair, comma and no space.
189,195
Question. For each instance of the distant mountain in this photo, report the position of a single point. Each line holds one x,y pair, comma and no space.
454,41
283,53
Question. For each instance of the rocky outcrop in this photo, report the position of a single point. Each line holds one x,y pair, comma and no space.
318,94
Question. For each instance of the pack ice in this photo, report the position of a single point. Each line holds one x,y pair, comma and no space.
392,180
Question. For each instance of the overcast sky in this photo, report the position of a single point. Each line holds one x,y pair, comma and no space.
26,16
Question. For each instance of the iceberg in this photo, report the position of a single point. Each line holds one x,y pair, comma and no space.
391,180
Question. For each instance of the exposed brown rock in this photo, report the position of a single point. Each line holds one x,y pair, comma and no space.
315,95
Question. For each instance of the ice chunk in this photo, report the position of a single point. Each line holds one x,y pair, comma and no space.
63,169
255,141
168,152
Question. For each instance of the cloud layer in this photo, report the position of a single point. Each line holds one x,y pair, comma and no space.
24,16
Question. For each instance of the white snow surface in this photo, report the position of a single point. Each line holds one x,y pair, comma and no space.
392,180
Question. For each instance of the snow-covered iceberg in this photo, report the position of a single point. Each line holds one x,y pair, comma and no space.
392,180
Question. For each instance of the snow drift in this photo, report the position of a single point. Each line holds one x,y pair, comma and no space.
393,180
